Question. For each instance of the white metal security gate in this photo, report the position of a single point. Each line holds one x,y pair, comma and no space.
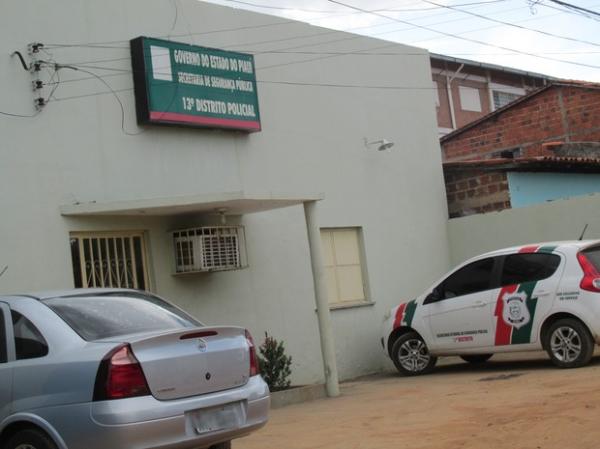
109,259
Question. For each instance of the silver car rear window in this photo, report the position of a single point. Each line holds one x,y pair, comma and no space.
115,315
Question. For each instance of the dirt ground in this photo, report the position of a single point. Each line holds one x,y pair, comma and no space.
506,403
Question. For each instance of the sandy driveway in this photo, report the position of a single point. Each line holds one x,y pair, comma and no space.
504,404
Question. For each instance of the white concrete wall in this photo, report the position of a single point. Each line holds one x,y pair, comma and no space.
552,221
312,141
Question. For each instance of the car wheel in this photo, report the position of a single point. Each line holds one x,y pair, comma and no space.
569,343
411,356
30,439
476,358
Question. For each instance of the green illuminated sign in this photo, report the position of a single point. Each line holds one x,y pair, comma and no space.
181,84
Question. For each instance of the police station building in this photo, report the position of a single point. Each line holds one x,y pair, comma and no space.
256,171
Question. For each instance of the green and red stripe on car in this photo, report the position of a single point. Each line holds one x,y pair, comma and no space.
511,335
405,314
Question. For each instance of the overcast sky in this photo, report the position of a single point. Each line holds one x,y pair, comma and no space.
398,26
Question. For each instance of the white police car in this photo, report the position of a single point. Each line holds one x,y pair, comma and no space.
542,296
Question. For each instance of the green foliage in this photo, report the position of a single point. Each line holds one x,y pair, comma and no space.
274,365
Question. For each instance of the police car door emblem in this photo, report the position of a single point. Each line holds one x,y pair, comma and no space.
515,312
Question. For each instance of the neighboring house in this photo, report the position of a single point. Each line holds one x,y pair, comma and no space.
468,90
227,224
479,186
543,146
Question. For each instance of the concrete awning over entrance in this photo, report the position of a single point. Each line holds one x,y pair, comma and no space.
231,203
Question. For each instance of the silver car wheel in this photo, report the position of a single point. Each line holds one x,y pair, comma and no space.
413,355
565,344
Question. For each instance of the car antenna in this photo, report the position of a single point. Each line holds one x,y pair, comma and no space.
583,232
3,270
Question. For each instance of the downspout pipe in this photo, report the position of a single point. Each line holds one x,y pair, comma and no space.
449,80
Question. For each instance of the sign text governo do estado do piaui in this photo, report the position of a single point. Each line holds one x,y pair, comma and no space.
188,85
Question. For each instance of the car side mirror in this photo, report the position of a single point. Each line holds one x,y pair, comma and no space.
434,296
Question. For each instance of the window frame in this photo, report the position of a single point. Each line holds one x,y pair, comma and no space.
35,328
362,264
9,333
144,263
505,89
505,256
4,334
435,295
468,104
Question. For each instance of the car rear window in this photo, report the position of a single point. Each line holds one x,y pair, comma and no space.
114,315
593,255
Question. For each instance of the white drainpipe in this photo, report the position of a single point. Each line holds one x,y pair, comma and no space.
490,92
450,99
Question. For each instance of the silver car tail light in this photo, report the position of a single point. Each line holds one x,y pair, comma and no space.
254,370
120,376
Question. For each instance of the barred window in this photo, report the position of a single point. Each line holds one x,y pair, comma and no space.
503,98
111,259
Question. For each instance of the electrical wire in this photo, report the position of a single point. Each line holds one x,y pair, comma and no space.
51,82
421,41
302,36
390,20
107,44
510,24
11,114
475,41
320,11
174,18
327,55
575,7
280,8
375,48
101,45
99,78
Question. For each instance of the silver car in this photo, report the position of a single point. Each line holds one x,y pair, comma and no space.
122,369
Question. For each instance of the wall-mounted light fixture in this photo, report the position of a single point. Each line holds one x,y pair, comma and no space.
381,145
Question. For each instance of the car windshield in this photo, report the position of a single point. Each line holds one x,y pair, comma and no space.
96,317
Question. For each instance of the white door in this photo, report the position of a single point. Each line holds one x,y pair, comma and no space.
6,356
461,309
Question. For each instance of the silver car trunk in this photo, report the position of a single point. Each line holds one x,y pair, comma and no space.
192,362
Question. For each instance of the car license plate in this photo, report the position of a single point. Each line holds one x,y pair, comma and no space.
228,416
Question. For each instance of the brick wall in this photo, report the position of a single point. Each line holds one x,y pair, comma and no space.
475,191
561,113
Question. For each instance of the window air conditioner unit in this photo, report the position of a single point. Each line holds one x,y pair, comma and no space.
209,248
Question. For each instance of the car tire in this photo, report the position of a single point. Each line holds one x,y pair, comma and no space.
30,439
476,359
569,343
225,445
411,355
